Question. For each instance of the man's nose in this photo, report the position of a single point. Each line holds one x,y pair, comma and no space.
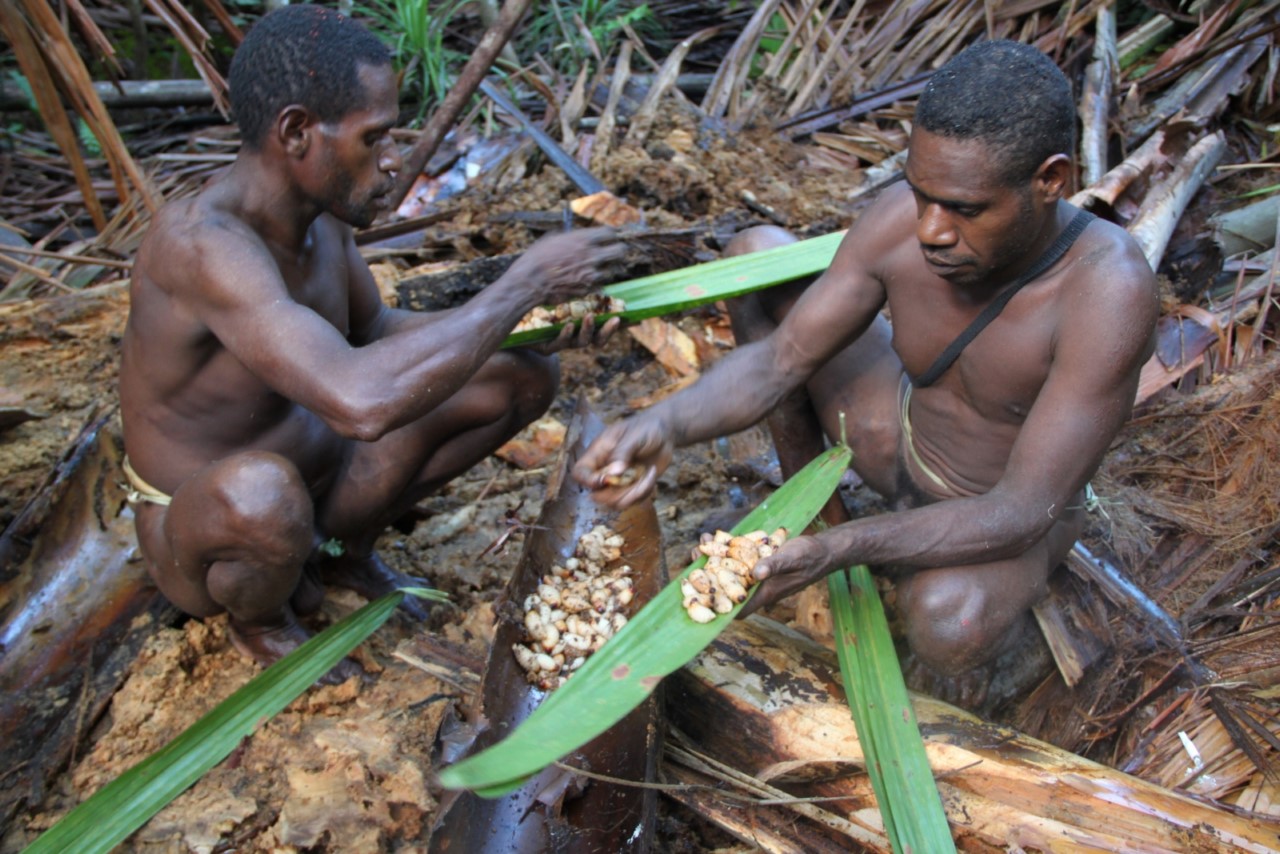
389,159
934,227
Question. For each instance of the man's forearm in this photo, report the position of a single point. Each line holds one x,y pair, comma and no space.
739,391
955,532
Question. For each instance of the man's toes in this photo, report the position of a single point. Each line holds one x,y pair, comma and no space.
341,672
413,606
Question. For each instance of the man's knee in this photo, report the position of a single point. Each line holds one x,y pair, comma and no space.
953,626
758,239
533,381
266,503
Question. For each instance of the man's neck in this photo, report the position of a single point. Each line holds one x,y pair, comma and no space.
1047,231
263,195
1049,228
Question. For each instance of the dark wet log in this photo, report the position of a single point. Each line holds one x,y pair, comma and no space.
648,253
557,810
68,629
766,700
807,123
1095,100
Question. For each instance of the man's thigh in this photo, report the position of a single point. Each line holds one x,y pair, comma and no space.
861,385
510,389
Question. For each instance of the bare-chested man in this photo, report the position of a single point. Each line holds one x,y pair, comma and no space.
271,402
986,463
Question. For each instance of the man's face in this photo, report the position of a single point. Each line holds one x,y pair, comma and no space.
357,158
970,223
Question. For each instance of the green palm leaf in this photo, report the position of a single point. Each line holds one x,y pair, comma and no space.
688,287
126,803
886,723
657,641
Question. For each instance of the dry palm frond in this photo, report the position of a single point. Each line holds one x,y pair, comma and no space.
608,116
193,38
17,30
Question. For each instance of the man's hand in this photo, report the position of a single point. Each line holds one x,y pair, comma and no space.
585,336
639,446
560,267
799,563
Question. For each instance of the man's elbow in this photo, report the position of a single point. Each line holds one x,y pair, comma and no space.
361,419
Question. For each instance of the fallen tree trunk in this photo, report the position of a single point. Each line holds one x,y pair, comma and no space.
67,615
766,700
558,809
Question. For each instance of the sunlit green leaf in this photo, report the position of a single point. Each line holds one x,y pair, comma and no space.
882,712
688,287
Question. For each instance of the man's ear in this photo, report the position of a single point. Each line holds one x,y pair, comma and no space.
294,125
1053,177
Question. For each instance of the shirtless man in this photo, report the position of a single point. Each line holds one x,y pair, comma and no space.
264,385
986,466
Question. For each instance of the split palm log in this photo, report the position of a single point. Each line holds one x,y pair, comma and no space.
767,701
666,293
624,673
557,809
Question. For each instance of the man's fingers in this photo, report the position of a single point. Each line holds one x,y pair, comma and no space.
587,331
606,332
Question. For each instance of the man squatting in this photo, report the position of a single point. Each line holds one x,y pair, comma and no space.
270,400
984,459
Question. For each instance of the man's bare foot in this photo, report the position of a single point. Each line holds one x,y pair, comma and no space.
308,596
966,690
982,690
371,578
268,644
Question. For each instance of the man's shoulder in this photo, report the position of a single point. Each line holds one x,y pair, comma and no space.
886,225
1110,262
185,235
1110,289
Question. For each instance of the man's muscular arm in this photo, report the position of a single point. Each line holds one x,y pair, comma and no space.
1104,339
404,367
748,383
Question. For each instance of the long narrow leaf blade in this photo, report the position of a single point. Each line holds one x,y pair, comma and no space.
700,284
896,762
126,803
658,640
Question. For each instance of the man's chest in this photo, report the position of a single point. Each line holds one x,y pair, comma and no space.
998,373
318,278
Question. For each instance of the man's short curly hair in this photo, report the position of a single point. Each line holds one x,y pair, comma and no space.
304,55
1007,95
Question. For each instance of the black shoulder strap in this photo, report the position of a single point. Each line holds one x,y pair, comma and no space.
1059,248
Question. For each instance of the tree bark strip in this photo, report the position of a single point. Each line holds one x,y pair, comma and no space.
766,700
